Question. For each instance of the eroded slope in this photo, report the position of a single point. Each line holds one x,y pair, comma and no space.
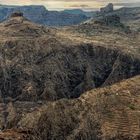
40,63
106,113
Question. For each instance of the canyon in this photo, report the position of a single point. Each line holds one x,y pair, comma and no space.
74,82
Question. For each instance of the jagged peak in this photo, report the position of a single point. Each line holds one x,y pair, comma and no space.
107,9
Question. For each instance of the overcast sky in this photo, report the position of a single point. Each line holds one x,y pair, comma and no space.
73,4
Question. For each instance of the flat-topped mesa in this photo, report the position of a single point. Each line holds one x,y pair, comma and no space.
17,14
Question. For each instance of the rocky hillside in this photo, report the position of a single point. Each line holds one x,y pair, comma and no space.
66,83
106,113
39,14
36,63
81,12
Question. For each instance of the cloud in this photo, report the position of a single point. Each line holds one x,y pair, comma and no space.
81,6
66,4
135,4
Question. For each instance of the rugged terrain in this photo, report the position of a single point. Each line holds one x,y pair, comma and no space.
78,82
129,16
107,113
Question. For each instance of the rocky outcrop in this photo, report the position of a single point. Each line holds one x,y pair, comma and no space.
112,20
108,16
104,25
107,9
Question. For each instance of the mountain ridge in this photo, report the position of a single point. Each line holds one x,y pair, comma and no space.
43,16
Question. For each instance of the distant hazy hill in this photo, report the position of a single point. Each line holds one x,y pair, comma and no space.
81,12
40,14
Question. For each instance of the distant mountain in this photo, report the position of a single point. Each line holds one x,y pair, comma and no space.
81,12
107,9
34,13
39,14
129,16
63,19
126,13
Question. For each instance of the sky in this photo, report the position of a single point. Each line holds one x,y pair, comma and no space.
73,4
